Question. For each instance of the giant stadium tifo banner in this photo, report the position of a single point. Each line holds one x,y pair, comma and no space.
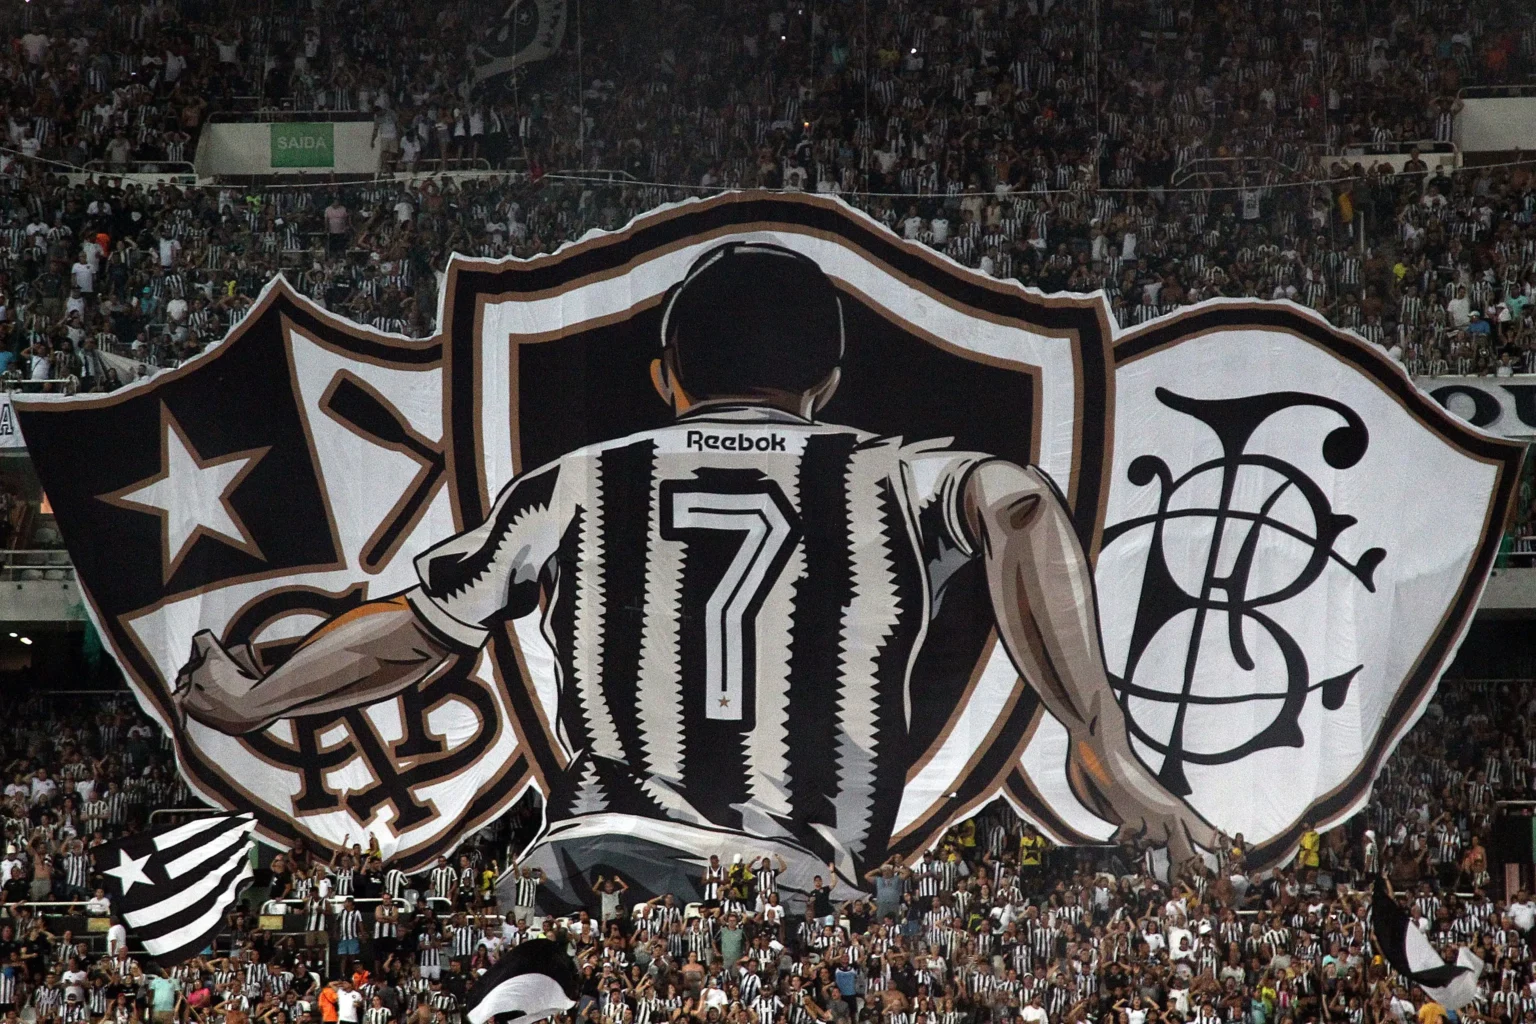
751,528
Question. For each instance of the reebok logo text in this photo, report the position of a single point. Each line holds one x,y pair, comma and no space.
698,440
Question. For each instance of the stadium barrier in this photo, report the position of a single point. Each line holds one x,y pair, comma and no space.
175,169
27,565
287,147
1497,123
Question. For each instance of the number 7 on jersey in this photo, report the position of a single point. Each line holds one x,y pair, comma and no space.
765,530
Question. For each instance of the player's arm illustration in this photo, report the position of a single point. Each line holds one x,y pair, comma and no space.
367,654
383,647
1042,596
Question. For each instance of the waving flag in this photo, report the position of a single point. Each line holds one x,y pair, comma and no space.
529,31
531,982
174,886
1402,944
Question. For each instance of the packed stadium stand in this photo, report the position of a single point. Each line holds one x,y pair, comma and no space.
994,925
1164,151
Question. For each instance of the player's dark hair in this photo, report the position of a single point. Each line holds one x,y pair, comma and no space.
750,316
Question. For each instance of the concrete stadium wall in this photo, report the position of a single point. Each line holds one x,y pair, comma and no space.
1497,125
238,149
41,601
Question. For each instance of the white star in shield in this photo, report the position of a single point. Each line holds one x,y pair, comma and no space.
130,871
191,496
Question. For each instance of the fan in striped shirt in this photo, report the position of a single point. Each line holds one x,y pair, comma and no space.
8,987
48,998
429,952
443,1001
444,881
377,1012
386,927
343,877
317,918
462,936
467,881
349,929
76,864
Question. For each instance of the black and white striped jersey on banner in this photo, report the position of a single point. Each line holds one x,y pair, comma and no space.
174,886
702,571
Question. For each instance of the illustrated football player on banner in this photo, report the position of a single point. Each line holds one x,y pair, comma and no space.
753,530
744,528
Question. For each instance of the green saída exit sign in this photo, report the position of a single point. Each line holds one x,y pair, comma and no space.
302,144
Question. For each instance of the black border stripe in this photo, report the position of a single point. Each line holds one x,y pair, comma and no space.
520,699
891,753
562,623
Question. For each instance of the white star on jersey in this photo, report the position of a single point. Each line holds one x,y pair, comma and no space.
130,871
191,495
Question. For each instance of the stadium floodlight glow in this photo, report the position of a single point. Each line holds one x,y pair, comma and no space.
914,49
26,639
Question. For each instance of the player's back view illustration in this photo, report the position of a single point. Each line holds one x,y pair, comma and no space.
735,602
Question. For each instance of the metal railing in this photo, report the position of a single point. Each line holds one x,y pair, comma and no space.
512,175
1522,546
14,381
298,907
616,176
1228,167
182,167
37,904
265,115
475,164
181,810
31,565
1401,146
1517,90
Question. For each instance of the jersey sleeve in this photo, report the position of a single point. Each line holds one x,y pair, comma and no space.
492,572
936,477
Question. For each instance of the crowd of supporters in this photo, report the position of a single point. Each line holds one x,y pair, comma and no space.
1162,150
995,925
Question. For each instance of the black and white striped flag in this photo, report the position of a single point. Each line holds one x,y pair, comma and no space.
530,982
174,886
